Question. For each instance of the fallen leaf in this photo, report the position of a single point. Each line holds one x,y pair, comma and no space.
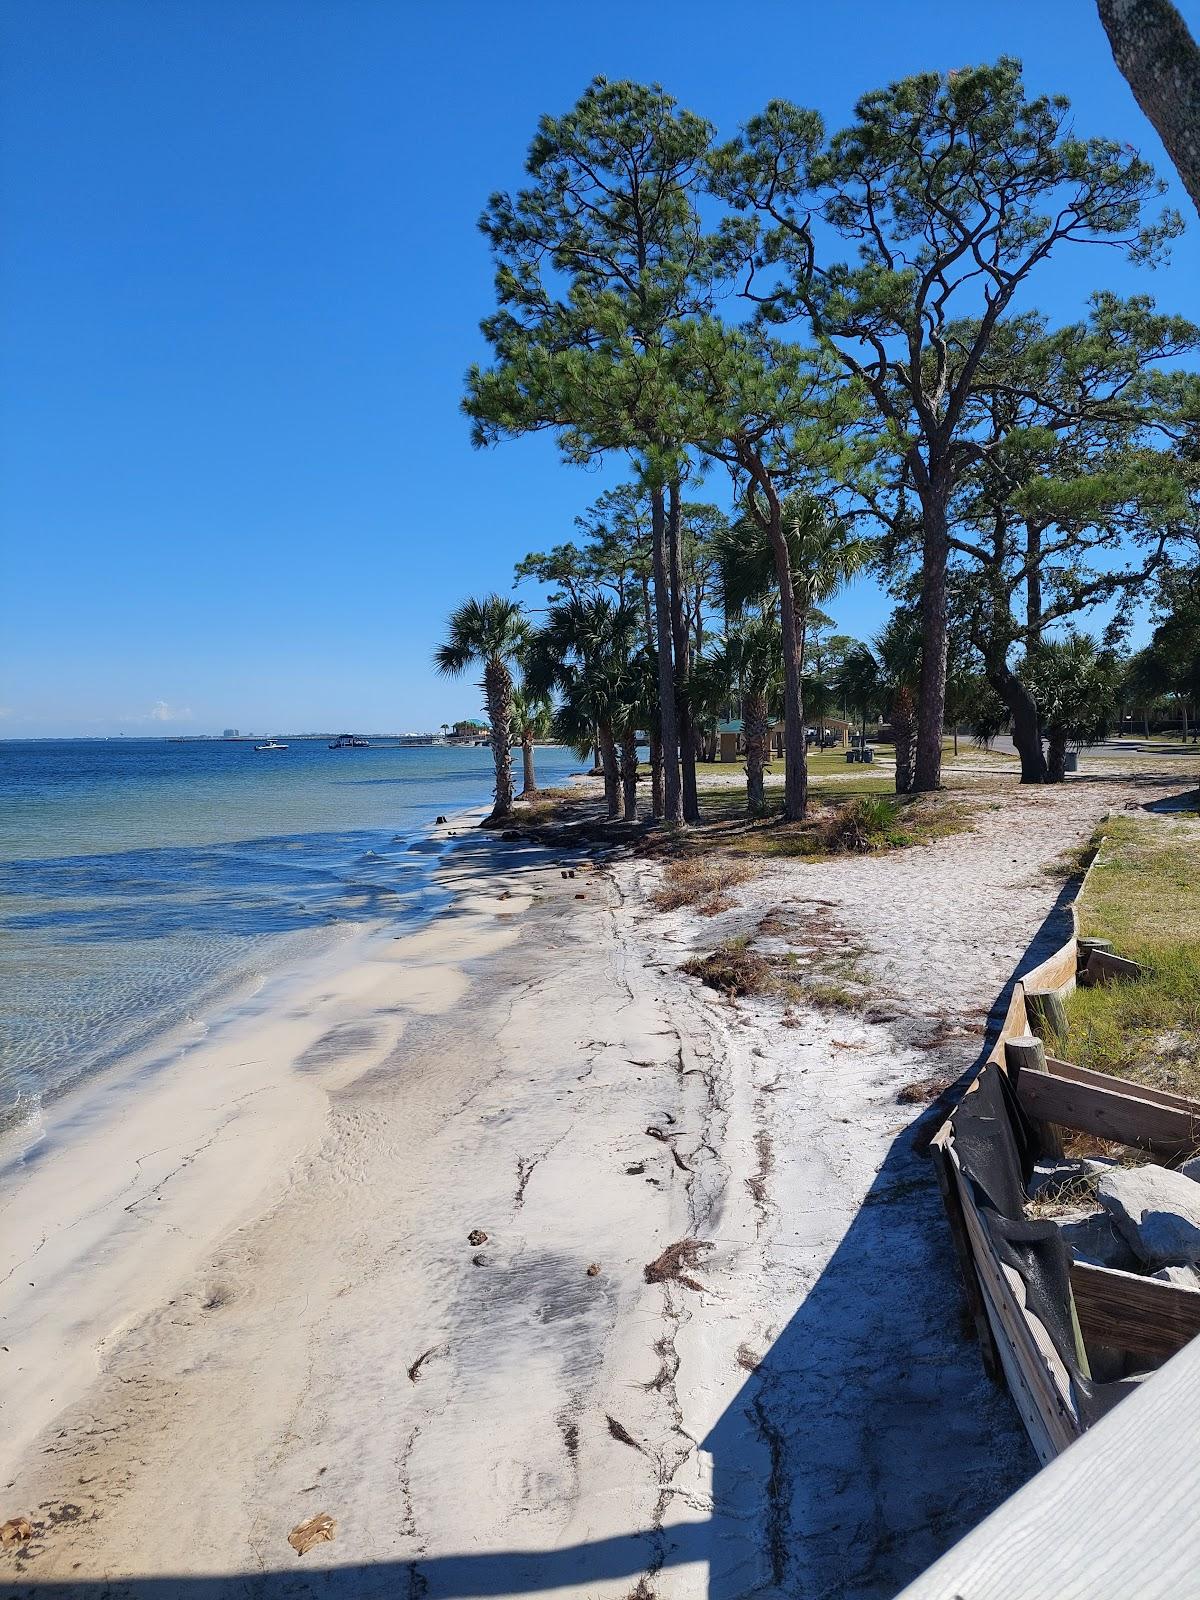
316,1530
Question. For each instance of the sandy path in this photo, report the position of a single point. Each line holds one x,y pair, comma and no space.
793,1411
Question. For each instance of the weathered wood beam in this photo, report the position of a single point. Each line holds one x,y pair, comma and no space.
1164,1131
1145,1316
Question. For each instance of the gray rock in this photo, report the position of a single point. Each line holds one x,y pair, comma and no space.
1181,1277
1156,1210
1094,1239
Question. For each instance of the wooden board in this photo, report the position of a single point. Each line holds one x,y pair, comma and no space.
1058,1424
940,1156
1057,971
1103,1080
1164,1131
1112,1519
1142,1315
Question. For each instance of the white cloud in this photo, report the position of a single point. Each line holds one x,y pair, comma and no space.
162,711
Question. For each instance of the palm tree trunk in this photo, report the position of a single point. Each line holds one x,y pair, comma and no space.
608,761
672,795
497,688
1056,756
904,734
530,788
629,764
757,733
656,777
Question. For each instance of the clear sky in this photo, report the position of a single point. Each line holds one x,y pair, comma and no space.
241,283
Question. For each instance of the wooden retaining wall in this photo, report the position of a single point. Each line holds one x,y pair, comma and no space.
1048,1373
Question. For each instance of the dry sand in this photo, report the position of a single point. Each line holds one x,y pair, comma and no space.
788,1404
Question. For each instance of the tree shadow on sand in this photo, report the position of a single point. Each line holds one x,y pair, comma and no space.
863,1442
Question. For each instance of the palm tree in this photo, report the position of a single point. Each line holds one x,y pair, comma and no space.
860,684
898,652
493,632
752,656
584,652
823,556
530,721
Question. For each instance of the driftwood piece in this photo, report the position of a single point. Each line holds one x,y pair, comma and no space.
1163,1131
1028,1054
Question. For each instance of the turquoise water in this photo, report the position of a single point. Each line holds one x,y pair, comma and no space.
142,880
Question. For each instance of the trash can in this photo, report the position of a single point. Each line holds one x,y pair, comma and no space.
1071,761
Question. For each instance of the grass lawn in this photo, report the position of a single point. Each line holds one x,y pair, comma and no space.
1144,894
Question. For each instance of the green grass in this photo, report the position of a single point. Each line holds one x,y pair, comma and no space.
1143,893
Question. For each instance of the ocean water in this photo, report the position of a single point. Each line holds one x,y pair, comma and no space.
141,881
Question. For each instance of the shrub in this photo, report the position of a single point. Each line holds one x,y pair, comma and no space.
868,822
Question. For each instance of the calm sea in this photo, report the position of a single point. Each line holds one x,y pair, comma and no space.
141,880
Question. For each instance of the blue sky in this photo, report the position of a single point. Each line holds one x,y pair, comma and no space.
240,285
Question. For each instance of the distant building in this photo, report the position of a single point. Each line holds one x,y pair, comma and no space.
230,733
470,730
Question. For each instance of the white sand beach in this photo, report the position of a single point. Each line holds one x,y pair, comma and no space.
532,1264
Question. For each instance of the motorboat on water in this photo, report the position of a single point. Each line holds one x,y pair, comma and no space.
271,744
349,741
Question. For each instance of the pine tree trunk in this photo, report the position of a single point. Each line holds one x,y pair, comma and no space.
1161,63
681,641
1033,586
931,708
1026,721
497,689
795,773
656,777
629,764
530,786
757,733
612,777
672,794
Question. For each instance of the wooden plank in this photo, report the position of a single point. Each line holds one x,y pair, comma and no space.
1014,1336
1113,1518
1056,971
1143,1124
1103,967
962,1247
1103,1080
1015,1022
1142,1315
1028,1407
